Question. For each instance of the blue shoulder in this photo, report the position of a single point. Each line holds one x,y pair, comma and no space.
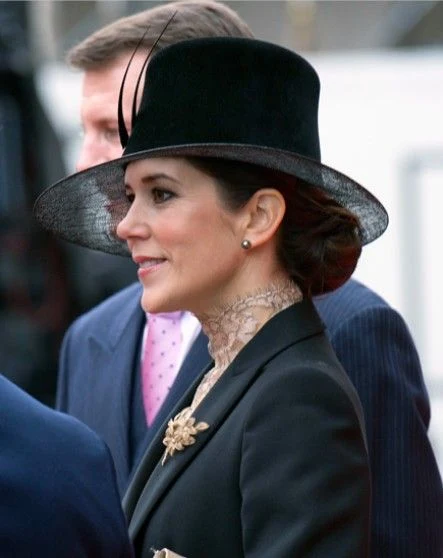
350,300
33,424
125,301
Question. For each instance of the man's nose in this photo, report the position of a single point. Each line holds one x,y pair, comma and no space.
90,155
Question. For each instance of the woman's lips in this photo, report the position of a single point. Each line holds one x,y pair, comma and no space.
148,265
151,262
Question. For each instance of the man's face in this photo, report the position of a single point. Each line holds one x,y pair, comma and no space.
98,109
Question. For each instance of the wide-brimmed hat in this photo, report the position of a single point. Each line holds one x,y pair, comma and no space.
236,99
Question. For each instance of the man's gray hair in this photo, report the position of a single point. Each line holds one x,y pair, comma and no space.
193,19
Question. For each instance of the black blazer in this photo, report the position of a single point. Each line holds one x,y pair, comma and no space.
282,470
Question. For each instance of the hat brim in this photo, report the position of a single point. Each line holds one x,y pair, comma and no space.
85,208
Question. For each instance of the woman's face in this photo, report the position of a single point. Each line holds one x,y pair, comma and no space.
186,243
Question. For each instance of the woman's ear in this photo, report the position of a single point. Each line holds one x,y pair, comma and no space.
265,211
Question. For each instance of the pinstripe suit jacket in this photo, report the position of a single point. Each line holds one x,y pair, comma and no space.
372,342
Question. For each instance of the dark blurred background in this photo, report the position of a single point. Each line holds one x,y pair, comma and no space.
35,293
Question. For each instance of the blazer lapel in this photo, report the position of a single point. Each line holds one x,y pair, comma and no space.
152,479
115,352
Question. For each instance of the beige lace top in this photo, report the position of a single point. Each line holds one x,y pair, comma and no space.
231,327
228,328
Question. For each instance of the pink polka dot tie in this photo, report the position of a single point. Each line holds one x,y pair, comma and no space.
159,365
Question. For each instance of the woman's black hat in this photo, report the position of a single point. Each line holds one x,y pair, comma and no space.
231,98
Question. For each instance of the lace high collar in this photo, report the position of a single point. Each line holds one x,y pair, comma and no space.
231,326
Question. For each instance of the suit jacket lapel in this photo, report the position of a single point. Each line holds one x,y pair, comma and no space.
115,354
152,479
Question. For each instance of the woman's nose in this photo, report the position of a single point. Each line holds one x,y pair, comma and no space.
133,224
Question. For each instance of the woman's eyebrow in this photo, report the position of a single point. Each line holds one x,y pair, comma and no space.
158,176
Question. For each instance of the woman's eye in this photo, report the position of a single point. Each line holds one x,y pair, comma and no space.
160,196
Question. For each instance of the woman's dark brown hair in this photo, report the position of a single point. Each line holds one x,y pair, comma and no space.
319,239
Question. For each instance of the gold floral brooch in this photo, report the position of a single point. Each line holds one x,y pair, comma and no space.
181,432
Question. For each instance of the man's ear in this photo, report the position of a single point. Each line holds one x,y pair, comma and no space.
265,211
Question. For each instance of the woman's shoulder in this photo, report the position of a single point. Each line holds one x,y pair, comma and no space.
308,373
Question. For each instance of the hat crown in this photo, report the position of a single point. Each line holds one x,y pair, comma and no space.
208,91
